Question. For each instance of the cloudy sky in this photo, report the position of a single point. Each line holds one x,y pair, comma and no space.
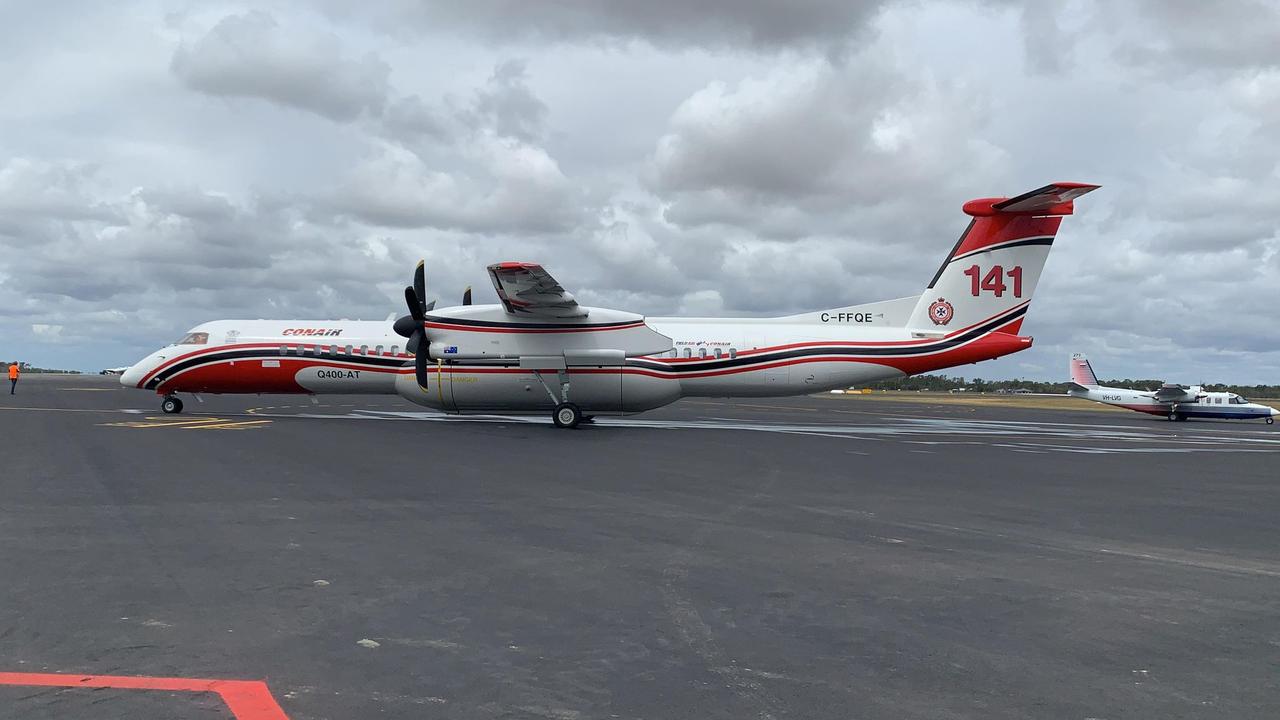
166,163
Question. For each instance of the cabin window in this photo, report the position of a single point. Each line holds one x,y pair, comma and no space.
1218,400
733,353
364,349
688,353
284,349
348,349
395,349
317,350
377,350
717,353
702,352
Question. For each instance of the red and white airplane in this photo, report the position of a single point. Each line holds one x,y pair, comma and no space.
539,351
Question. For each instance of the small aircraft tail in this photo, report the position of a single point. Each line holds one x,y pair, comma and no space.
988,279
1082,377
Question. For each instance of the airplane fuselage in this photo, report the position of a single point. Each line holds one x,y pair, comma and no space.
706,357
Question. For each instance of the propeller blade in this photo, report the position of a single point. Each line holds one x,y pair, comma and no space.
420,284
415,307
466,296
412,346
429,306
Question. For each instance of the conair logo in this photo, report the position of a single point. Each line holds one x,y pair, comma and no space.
313,332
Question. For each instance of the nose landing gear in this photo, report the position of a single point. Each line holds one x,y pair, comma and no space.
171,405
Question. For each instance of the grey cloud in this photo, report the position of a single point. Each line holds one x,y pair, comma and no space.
798,152
751,24
508,187
512,108
251,55
1190,34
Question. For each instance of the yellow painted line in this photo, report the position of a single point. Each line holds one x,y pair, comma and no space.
164,423
773,407
242,425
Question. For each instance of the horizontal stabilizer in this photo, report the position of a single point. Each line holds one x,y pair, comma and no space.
1055,199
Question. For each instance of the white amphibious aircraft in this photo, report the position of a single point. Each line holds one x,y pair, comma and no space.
540,351
1176,402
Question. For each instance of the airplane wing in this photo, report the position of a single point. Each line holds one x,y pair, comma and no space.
527,289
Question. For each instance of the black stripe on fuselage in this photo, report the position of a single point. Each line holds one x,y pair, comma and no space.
268,354
952,254
861,351
527,326
1017,243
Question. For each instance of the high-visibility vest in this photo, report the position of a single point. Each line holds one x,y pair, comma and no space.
13,372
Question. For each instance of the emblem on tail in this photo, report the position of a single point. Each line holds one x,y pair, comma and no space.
941,312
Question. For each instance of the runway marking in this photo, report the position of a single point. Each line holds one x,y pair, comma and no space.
89,389
246,699
197,423
80,410
1015,436
159,422
240,425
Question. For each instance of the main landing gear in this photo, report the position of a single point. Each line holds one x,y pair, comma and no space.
1177,417
566,414
171,405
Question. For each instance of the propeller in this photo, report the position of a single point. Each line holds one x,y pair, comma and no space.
466,296
410,326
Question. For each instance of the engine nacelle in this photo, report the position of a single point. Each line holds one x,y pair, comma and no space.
598,385
1170,392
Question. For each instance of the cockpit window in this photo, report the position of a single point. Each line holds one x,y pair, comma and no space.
1238,400
195,338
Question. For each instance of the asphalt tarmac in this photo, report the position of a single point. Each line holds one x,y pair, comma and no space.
817,557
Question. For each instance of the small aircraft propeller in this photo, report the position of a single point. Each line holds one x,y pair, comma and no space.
466,296
410,326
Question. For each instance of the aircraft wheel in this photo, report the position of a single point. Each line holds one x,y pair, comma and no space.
171,405
1271,421
1173,417
567,415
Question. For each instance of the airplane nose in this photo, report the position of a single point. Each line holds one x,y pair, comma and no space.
130,377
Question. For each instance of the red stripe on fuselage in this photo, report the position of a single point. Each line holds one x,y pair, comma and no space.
211,349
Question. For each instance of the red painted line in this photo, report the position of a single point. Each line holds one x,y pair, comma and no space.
247,699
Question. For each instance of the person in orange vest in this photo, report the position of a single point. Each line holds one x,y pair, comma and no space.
13,377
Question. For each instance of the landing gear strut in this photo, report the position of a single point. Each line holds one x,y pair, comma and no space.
566,414
171,404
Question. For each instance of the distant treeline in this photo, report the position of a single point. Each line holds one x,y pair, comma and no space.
944,383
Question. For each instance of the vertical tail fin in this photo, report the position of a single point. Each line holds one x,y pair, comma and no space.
992,271
1082,372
